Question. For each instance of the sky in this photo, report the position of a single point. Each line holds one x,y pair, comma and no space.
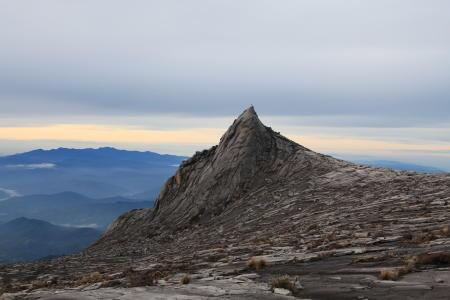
356,79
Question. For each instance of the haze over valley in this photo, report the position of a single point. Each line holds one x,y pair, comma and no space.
70,189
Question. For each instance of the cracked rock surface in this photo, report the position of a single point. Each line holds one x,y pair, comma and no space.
330,224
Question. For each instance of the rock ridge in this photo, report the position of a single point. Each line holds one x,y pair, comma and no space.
248,157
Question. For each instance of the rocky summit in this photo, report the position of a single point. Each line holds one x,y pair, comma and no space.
261,217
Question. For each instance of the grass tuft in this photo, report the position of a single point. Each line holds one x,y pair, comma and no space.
186,279
256,264
90,278
139,278
436,258
389,274
283,282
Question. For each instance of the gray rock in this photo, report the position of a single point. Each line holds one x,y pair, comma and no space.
283,292
259,194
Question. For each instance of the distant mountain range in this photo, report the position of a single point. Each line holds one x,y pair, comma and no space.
34,193
3,195
25,239
97,173
401,166
68,208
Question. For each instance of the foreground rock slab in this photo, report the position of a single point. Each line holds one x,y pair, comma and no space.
219,290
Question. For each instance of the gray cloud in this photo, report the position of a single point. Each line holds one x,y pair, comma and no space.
380,61
32,166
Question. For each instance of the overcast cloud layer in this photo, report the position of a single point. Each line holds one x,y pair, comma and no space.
321,63
384,59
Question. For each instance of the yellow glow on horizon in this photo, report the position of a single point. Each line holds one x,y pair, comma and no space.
109,134
360,144
205,136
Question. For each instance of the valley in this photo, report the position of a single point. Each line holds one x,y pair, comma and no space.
51,183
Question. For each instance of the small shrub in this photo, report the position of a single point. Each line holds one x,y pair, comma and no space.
160,274
256,264
423,237
437,258
375,258
445,230
406,269
186,279
90,278
367,259
391,274
283,282
410,265
216,257
140,278
38,284
111,283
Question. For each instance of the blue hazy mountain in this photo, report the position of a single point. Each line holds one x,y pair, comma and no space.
98,173
3,195
401,166
68,208
25,239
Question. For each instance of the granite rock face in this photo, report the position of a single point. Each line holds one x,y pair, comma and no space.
329,225
250,157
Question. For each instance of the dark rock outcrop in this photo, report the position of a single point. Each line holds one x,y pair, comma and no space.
250,156
257,181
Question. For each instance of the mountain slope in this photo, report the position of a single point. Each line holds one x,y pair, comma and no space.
98,173
333,224
250,156
256,180
29,239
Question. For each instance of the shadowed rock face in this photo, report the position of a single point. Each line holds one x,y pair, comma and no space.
248,157
257,181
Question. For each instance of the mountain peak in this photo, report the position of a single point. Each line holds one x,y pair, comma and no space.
249,118
249,113
247,129
249,157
